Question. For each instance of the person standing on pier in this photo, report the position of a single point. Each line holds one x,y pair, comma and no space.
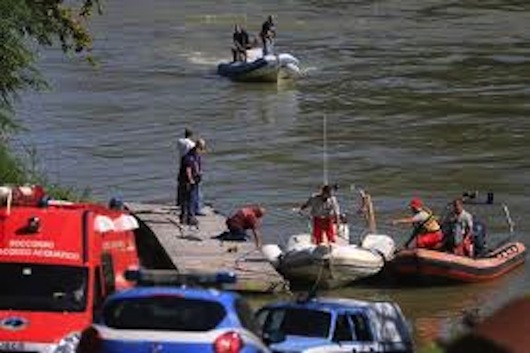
189,179
184,145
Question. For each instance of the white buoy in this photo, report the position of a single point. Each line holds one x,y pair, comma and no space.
272,253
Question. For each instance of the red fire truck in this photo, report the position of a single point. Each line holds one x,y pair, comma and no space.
58,261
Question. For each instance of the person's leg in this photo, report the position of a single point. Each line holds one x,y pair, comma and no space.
429,240
191,204
317,230
330,230
179,193
264,45
185,203
237,234
196,200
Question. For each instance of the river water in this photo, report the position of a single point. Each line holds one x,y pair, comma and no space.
421,98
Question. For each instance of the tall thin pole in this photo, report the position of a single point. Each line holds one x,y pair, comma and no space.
325,152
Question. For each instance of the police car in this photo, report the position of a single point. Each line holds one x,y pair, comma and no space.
325,325
191,316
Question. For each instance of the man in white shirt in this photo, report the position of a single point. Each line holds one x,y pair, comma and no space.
184,145
325,212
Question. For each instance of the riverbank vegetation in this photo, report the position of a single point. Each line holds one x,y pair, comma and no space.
25,27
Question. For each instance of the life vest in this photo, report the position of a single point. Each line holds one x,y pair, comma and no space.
430,225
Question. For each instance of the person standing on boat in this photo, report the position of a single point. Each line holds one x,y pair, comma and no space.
267,34
426,229
462,229
184,145
242,220
241,44
325,213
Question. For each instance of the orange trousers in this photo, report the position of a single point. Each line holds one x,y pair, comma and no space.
323,225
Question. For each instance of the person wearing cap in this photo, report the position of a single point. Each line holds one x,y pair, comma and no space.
244,219
325,213
188,180
426,229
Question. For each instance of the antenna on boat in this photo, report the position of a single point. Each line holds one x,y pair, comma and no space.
324,151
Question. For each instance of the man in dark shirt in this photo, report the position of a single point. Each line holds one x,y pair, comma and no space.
268,32
189,178
241,44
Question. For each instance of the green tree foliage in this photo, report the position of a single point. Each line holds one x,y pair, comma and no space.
10,168
27,24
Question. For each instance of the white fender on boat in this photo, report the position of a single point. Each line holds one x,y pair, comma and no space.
298,242
292,69
286,58
381,243
272,253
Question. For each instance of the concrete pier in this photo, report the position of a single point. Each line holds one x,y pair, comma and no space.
165,243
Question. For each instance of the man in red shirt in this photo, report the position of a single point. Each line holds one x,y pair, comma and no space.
243,219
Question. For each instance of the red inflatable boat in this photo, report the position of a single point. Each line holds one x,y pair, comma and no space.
437,266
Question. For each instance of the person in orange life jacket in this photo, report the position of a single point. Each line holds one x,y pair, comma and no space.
325,213
462,229
245,218
427,231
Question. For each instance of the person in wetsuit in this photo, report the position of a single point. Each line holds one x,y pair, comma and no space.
241,44
268,32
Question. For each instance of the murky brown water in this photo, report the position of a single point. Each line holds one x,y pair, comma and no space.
426,98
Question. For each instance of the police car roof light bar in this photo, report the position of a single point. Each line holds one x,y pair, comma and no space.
174,278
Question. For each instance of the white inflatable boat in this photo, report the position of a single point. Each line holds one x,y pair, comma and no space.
329,266
259,68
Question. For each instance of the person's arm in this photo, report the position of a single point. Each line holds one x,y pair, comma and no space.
403,220
306,204
189,174
257,237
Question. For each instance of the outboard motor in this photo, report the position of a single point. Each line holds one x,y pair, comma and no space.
479,238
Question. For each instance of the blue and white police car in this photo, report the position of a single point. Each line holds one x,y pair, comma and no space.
156,317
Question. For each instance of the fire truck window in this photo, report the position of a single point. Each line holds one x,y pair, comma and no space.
108,272
43,287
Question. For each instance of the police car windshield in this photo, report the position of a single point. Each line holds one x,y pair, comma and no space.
164,313
298,322
43,287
